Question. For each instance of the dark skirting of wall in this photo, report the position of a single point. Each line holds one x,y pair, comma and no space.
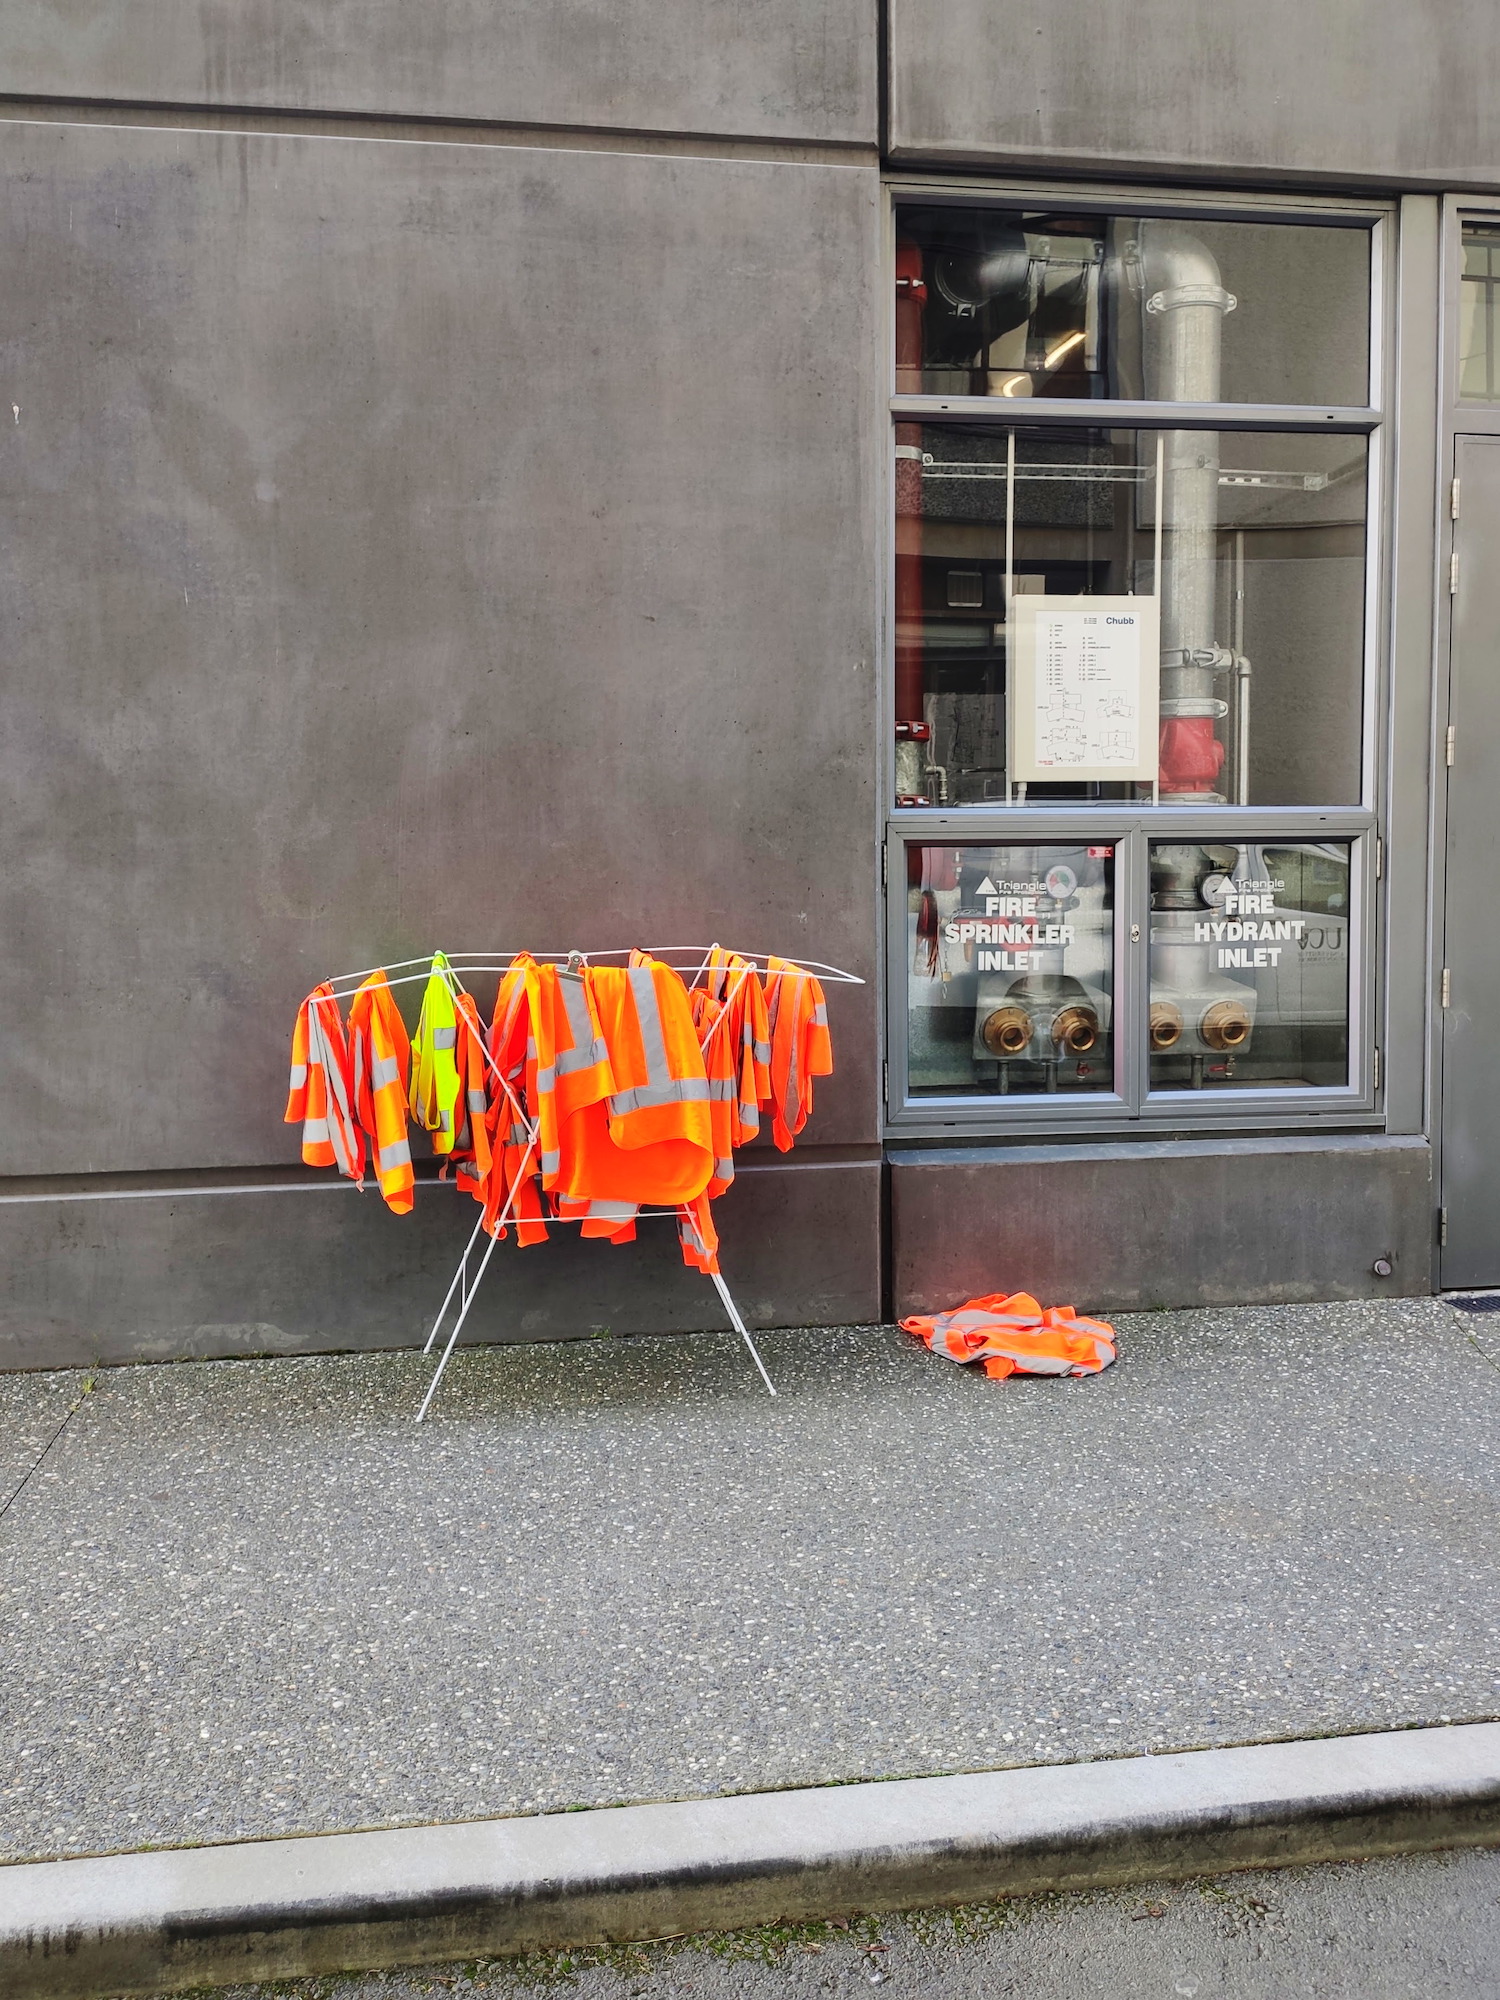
321,1269
1163,1223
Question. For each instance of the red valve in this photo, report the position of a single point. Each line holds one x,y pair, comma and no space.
1191,756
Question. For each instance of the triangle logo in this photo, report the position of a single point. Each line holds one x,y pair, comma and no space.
986,888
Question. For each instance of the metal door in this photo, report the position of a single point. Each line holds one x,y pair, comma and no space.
1470,994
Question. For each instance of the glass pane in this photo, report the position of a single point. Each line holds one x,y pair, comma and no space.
1022,302
1260,672
1478,371
1249,965
1010,955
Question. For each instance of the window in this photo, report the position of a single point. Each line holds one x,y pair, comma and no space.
1257,700
1021,302
1129,831
1479,281
1011,950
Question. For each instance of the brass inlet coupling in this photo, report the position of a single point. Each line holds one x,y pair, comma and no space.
1007,1031
1226,1025
1077,1029
1166,1025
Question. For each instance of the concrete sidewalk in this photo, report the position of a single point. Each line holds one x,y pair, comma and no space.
244,1599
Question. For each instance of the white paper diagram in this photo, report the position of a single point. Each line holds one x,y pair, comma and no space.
1083,677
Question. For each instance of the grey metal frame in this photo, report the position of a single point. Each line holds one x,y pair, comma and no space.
1456,420
1133,1109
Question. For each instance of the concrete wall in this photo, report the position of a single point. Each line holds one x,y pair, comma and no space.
414,543
1349,90
1162,1222
781,69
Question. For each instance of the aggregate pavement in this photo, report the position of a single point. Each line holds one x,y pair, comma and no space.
243,1599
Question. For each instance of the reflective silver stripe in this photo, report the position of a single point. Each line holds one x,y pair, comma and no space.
299,1076
763,1054
444,1038
587,1048
314,1130
384,1070
582,1057
551,1162
612,1211
531,1047
981,1322
546,1080
1034,1364
396,1154
721,1089
724,1169
478,1102
820,1016
648,1014
684,1090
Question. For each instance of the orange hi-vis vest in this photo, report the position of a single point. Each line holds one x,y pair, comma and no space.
647,1138
734,982
1012,1335
471,1140
697,1235
321,1094
513,1184
712,1021
379,1059
800,1047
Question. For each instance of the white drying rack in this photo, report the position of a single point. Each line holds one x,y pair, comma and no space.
686,960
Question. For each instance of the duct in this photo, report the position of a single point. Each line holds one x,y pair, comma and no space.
1177,281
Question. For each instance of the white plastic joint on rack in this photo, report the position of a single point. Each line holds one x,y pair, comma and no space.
495,964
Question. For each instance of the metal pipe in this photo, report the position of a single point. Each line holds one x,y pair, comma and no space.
1178,280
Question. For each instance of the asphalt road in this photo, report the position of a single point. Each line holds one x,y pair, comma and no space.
1427,1926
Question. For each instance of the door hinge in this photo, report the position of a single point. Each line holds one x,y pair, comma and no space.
1445,990
885,860
1377,1069
1453,574
1449,737
1453,502
1442,1225
1379,857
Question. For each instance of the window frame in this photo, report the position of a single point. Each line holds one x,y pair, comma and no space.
1132,1108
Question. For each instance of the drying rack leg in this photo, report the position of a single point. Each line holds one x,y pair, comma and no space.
469,1292
461,1274
740,1328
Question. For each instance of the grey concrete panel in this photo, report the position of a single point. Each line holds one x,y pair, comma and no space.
1162,1223
251,1599
324,1270
1367,90
415,544
791,69
135,1923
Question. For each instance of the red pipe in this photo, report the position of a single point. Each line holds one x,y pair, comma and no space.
911,297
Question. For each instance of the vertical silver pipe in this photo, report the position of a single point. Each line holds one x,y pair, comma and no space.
1183,297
